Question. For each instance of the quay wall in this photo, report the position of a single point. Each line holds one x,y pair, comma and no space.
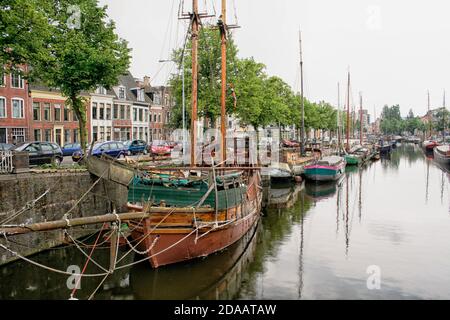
18,191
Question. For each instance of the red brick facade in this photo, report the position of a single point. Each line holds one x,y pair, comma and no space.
15,111
52,120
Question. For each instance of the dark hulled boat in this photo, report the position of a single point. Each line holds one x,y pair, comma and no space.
442,154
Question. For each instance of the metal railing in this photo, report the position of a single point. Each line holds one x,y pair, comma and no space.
6,162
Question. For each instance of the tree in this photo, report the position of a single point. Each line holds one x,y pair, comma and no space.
68,44
25,33
84,56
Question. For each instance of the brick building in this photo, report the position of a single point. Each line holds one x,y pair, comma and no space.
51,119
15,108
160,111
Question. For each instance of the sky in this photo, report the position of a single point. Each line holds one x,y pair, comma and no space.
395,50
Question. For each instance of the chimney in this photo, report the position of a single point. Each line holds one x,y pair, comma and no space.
146,81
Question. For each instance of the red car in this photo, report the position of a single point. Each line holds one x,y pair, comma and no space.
159,147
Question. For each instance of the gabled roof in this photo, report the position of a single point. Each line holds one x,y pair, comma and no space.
127,80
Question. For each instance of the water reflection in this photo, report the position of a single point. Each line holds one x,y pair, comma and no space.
313,241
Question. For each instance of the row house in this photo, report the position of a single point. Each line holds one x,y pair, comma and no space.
121,113
52,120
15,111
160,111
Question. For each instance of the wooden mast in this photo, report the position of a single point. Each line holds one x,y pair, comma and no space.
360,120
223,111
429,113
348,114
302,103
338,119
195,33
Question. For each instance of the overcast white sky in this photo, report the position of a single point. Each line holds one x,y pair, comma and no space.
396,50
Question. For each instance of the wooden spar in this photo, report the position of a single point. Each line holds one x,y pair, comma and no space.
195,34
223,110
360,120
76,222
205,169
348,114
302,102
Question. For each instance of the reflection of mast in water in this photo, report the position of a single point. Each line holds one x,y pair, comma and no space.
428,179
300,276
360,195
338,202
442,188
346,217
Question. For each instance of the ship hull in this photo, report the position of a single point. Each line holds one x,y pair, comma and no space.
183,236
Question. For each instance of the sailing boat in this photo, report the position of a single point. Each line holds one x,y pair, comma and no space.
429,144
195,215
442,153
350,157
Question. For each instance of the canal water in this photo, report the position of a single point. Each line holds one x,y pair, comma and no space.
381,232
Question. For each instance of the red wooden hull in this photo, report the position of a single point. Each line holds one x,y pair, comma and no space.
167,244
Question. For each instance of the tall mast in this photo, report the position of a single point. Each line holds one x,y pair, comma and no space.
302,103
348,113
338,118
195,28
429,113
360,119
223,111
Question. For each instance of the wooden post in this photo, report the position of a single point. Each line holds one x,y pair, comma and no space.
195,34
223,110
302,102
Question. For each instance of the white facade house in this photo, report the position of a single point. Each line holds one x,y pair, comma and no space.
140,118
101,104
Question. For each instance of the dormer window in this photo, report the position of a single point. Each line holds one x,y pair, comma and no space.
140,95
121,92
100,90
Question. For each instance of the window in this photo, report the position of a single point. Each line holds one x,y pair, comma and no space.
94,110
146,116
122,112
75,118
18,135
47,111
108,133
154,117
141,115
135,133
16,81
102,133
66,113
2,107
57,112
157,98
75,135
47,135
66,135
121,92
102,111
159,118
100,90
2,78
116,112
128,112
36,111
140,95
18,111
135,114
37,134
108,112
46,147
94,133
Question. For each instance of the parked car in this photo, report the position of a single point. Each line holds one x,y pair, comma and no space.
70,148
136,146
114,149
6,146
159,147
41,152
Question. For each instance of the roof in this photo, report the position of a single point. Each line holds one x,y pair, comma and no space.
127,80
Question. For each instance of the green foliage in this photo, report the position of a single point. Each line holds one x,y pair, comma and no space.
75,58
262,100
